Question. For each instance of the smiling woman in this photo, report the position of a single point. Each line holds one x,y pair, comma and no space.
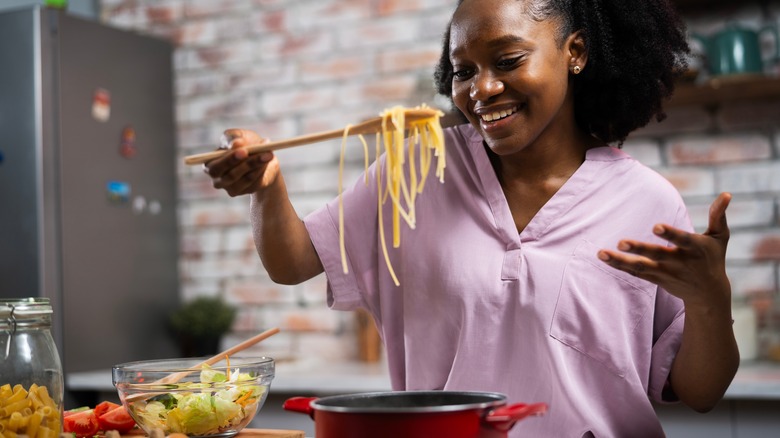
558,260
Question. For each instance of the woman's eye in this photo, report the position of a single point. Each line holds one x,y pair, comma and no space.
509,62
460,74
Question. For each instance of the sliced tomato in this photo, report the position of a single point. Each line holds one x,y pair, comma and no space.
75,411
82,424
104,407
116,419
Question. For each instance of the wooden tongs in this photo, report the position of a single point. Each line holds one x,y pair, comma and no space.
370,126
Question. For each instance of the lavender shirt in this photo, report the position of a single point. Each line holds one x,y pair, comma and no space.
533,315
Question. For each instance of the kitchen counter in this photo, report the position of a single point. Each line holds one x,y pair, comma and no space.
292,377
749,407
754,380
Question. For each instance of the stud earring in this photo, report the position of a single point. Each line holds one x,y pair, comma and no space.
576,69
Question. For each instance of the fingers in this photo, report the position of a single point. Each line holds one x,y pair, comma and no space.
239,138
220,166
678,237
246,184
238,172
638,266
718,225
236,167
650,251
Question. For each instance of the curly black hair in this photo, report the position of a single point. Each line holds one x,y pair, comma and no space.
635,48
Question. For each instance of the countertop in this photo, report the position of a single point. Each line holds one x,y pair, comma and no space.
754,380
294,377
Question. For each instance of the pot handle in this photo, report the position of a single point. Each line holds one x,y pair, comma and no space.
505,417
300,404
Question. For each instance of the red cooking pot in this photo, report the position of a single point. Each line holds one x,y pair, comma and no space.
413,414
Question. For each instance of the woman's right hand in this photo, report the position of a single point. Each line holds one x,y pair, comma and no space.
281,238
238,173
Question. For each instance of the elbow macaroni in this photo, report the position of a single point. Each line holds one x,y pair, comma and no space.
32,412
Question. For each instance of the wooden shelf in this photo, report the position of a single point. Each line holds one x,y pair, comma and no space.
725,90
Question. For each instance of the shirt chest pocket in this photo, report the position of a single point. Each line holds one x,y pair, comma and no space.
600,310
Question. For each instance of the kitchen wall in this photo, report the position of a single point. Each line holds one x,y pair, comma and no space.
287,67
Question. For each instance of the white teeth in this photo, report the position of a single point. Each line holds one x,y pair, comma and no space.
498,115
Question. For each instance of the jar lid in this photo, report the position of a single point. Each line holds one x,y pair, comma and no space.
24,308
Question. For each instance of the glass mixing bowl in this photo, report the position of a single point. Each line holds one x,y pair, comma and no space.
181,396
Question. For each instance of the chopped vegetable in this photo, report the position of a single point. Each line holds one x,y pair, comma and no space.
197,408
82,424
116,419
105,417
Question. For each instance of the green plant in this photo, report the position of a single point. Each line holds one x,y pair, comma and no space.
203,317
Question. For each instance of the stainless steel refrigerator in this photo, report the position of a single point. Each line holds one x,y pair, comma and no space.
88,184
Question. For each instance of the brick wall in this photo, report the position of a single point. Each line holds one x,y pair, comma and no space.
288,67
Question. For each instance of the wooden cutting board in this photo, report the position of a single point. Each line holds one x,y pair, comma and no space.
246,433
270,433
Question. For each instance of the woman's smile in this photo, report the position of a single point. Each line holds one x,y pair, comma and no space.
496,120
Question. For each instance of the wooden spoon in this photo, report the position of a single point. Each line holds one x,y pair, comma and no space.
370,126
175,377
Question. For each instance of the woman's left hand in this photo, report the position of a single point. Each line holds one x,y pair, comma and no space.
693,269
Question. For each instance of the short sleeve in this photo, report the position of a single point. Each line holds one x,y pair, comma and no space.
665,349
347,291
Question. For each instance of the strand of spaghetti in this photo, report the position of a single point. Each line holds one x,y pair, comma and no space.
429,155
404,190
413,142
382,239
433,140
342,245
365,158
438,134
425,165
387,139
394,186
397,116
403,214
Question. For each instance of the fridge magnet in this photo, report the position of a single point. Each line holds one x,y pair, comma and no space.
139,204
155,208
118,192
101,105
127,147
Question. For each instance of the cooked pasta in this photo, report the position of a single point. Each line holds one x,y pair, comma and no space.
425,138
28,412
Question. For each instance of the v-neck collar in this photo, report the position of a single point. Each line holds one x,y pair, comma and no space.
563,200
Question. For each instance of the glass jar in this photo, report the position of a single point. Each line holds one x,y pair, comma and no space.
31,384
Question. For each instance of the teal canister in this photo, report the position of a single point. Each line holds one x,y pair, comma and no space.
736,49
31,382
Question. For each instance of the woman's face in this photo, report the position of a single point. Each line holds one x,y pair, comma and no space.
510,74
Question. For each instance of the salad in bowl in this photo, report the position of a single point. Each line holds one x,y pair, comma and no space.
189,397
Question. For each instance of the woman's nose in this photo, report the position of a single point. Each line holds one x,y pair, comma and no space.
485,87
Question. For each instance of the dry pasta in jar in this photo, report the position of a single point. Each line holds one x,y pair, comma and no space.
31,386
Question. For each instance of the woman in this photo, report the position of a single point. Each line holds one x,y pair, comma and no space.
549,266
